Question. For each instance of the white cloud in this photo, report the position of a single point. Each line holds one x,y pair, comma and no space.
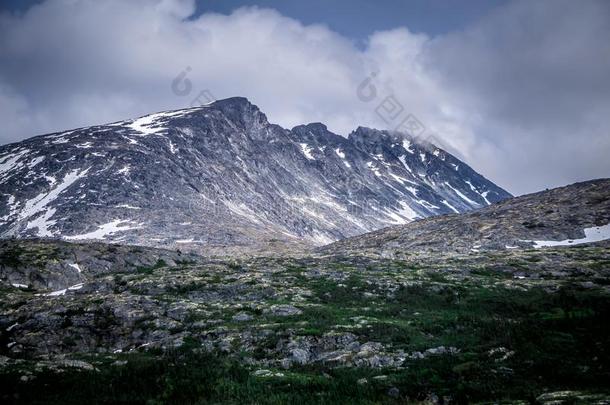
526,106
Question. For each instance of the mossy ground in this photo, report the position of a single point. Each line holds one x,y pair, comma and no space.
518,338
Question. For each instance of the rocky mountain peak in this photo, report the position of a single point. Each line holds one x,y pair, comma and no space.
372,139
318,134
363,132
241,112
221,177
316,126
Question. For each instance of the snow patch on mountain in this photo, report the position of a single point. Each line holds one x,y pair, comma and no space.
10,162
461,195
427,204
404,163
35,161
399,179
406,144
593,234
483,194
306,149
154,123
40,203
76,267
127,206
341,154
104,230
451,207
373,168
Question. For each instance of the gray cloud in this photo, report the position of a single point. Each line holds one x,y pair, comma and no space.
532,80
523,94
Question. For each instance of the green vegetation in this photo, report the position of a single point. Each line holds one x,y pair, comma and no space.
549,354
234,266
37,255
148,270
469,330
11,256
186,377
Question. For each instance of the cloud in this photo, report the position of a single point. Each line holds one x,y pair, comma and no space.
521,95
531,80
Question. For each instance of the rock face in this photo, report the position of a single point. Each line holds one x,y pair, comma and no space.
58,267
565,216
221,175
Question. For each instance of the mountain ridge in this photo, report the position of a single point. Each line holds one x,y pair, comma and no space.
221,176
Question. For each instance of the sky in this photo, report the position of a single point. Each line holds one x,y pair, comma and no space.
520,90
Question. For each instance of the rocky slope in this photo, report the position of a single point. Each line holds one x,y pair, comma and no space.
449,328
571,215
222,176
56,267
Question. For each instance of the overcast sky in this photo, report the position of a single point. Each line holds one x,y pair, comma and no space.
519,89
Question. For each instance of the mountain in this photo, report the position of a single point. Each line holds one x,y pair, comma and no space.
221,176
487,323
565,216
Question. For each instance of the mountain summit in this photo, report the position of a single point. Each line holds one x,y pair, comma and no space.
221,176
